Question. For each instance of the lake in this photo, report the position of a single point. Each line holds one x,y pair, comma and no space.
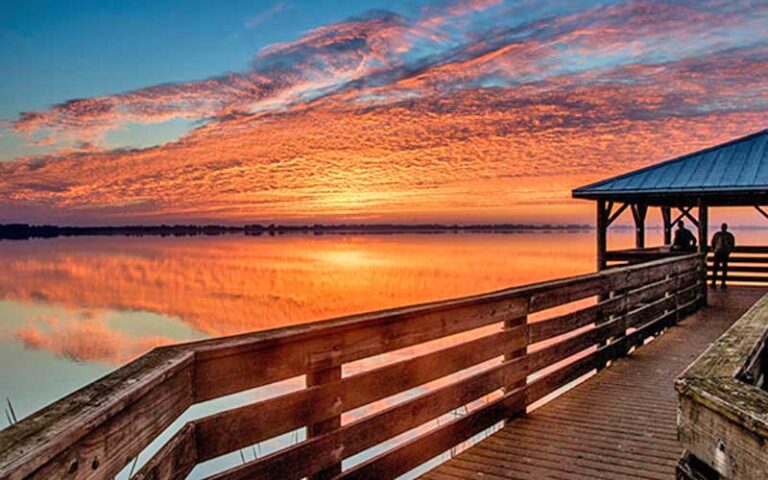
74,309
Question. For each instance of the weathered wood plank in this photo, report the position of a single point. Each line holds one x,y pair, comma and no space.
725,423
105,423
559,351
570,292
552,381
728,356
649,311
104,450
562,324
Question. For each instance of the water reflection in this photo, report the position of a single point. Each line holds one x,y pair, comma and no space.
237,284
83,306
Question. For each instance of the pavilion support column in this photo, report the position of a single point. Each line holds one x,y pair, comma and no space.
703,247
639,212
666,215
602,233
703,226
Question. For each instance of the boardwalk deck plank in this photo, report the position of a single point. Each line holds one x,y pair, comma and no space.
619,424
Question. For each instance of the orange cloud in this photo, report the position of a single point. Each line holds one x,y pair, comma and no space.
343,124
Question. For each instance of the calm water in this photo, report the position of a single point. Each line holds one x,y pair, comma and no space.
74,309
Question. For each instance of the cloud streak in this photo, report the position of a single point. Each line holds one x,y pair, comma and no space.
447,115
266,15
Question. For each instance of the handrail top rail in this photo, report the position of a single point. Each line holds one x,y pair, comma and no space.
337,324
51,429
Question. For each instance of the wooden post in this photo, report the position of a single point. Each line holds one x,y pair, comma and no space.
508,324
328,375
704,246
639,212
666,215
603,214
703,221
602,234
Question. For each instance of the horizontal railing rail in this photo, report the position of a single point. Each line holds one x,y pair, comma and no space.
747,264
631,256
589,321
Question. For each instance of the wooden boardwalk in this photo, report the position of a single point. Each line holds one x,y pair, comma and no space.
618,424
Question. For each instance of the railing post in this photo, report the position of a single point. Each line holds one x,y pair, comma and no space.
703,269
603,318
521,352
319,377
673,292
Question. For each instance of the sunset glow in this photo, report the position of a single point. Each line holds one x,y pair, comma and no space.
455,111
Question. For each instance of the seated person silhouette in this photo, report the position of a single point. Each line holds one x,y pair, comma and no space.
684,240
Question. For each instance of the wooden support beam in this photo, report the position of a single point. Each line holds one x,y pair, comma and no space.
686,212
762,212
639,212
612,218
602,233
666,215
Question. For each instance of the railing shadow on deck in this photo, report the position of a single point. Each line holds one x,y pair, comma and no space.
98,430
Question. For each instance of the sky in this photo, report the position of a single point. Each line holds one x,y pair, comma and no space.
296,111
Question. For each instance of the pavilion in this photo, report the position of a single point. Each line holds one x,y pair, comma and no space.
732,174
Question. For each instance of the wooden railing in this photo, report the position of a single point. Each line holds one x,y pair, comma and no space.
723,413
590,320
747,264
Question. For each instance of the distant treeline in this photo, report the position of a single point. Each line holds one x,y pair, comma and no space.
23,231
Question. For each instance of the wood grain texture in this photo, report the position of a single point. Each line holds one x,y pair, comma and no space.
106,423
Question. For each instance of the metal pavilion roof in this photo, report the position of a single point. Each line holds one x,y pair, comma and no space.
735,172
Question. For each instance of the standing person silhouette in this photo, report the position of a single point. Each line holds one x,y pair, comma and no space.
684,239
723,243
